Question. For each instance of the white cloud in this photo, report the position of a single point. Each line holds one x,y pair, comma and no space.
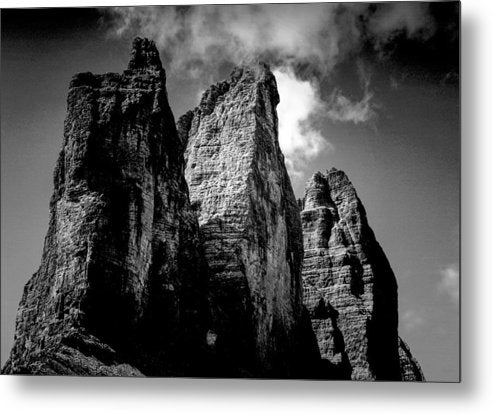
299,105
449,282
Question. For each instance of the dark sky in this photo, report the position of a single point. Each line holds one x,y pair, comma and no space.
371,89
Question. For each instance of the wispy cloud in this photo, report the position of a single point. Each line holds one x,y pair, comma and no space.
449,282
343,109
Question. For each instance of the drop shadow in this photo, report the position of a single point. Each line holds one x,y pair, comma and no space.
470,221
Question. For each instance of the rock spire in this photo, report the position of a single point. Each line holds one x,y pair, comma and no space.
249,222
120,289
349,287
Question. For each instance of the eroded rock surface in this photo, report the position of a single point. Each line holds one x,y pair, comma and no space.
121,288
350,290
249,222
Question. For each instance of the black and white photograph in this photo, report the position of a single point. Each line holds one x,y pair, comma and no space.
240,191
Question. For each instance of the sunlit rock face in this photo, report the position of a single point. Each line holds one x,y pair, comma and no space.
121,287
350,290
249,222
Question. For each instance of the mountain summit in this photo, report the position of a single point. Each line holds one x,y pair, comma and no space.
144,56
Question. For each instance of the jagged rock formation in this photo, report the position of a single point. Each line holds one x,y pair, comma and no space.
249,221
120,289
349,287
409,366
141,276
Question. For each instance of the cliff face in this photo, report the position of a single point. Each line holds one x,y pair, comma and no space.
349,287
120,289
249,222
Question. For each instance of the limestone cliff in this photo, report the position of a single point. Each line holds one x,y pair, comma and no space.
349,287
249,222
121,288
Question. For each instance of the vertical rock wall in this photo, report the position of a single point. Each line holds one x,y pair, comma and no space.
249,222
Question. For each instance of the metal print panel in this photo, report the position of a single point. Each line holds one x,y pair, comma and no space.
202,222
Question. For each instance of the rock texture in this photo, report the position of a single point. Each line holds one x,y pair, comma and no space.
409,366
120,289
249,222
350,290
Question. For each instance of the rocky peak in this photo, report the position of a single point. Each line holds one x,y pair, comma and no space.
242,79
121,288
144,56
316,192
345,270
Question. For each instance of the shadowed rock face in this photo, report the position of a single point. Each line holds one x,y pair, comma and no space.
350,290
249,222
120,289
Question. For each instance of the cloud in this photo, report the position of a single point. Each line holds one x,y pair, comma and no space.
300,104
343,109
321,35
449,282
195,38
411,19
